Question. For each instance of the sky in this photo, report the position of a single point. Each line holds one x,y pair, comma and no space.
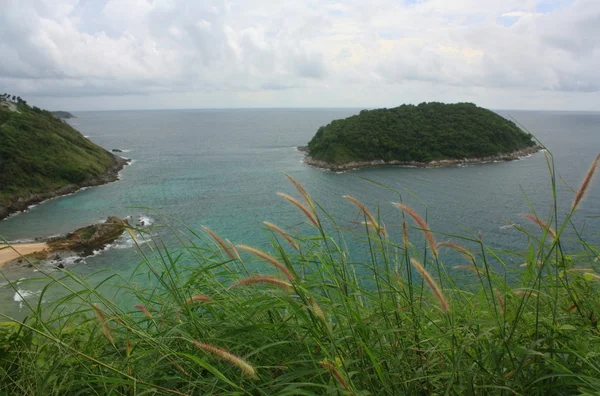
164,54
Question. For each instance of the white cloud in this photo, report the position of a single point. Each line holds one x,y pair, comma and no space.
178,53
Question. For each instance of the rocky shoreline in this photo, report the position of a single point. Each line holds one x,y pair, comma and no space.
74,247
23,203
515,155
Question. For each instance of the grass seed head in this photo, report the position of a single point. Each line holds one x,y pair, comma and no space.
541,223
227,356
370,218
422,224
103,322
262,279
299,205
145,310
466,252
283,234
268,258
500,299
224,246
336,373
586,183
439,294
200,298
301,190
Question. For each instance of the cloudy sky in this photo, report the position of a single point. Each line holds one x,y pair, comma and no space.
153,54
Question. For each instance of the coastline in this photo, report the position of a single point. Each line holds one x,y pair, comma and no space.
23,203
355,165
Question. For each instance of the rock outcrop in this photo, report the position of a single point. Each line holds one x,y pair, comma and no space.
87,239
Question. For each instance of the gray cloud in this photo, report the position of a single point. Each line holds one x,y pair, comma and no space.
287,52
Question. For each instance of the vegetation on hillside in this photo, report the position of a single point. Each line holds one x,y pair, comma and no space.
40,153
423,133
304,317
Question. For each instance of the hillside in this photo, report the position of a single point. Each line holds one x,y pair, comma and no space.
417,134
42,156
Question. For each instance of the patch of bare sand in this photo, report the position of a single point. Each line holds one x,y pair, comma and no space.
8,254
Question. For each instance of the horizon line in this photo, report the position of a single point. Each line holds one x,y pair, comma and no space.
310,108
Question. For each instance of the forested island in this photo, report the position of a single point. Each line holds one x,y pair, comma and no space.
428,134
42,156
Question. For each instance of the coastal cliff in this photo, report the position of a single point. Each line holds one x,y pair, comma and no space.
42,157
21,203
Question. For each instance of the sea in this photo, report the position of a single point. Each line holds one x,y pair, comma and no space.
222,168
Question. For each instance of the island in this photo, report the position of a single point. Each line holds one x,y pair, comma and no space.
428,134
42,157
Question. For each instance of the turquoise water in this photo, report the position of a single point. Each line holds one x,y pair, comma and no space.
222,169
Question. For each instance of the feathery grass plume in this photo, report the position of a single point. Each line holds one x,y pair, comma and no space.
268,258
283,234
317,310
468,267
432,285
585,184
197,298
541,223
524,293
336,373
104,323
466,252
145,310
370,218
221,243
262,279
232,246
539,263
222,354
378,229
301,190
405,234
422,224
299,205
500,299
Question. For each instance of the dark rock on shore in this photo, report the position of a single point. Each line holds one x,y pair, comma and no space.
87,239
117,150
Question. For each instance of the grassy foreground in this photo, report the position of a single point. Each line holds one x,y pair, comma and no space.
303,318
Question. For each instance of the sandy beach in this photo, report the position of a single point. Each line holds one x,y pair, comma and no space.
8,254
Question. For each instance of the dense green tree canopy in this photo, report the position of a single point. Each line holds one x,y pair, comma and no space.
423,133
39,152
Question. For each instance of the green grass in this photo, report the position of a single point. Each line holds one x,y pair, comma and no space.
338,327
